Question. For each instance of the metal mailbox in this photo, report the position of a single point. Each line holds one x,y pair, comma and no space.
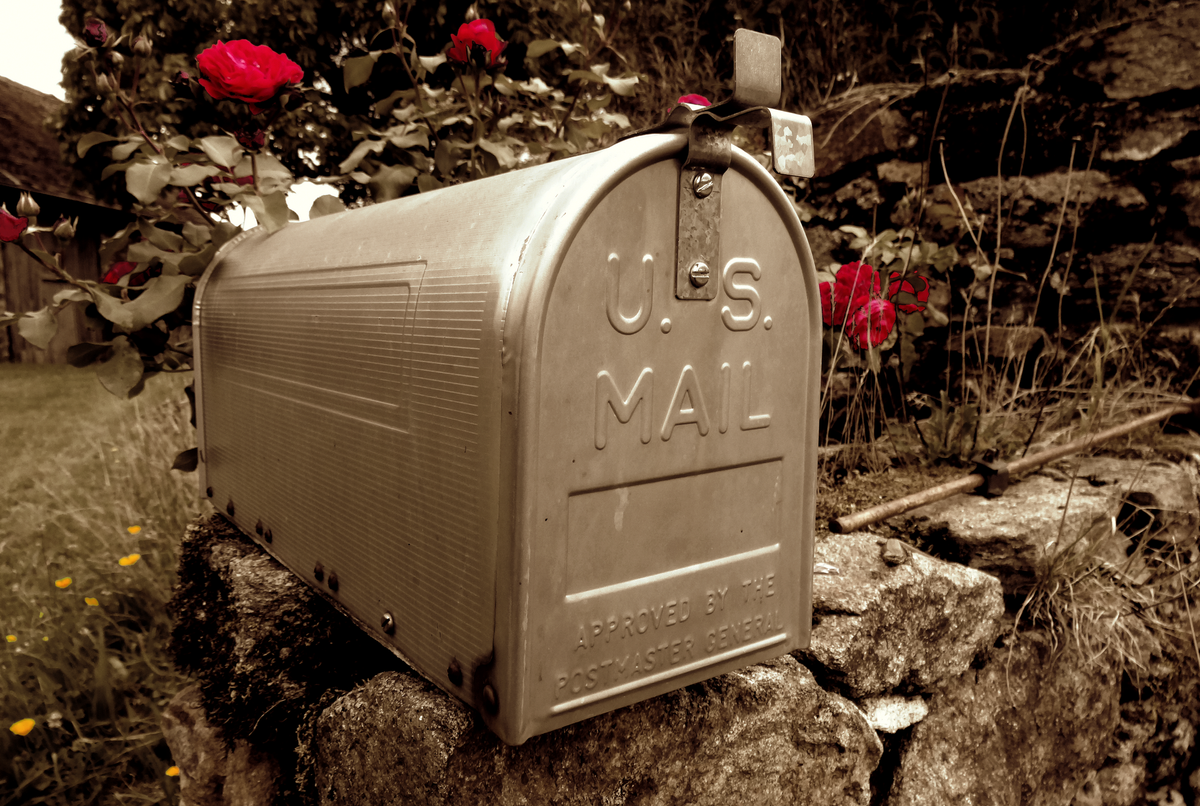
553,464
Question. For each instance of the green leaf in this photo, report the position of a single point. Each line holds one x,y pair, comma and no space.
197,234
193,265
540,47
223,233
113,167
622,86
392,180
271,211
193,174
326,205
123,369
584,75
72,295
187,461
145,179
223,151
357,70
91,139
39,327
180,142
444,159
123,151
163,239
360,151
503,154
161,296
431,63
426,183
86,353
415,138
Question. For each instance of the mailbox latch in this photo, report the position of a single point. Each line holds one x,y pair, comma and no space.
756,88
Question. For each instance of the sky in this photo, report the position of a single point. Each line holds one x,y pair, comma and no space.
32,44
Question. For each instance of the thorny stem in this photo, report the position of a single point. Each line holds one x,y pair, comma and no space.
397,34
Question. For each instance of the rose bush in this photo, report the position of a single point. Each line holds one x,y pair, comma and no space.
476,43
242,71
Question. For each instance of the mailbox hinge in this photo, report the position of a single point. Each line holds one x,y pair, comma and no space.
756,87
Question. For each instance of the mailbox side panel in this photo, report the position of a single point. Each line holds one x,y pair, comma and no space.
672,476
349,413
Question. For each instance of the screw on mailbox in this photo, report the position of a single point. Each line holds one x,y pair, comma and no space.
702,185
699,273
490,703
267,536
333,581
229,507
319,572
258,528
454,672
387,623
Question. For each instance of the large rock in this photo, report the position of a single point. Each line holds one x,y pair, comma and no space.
1014,535
212,770
1025,730
879,628
764,734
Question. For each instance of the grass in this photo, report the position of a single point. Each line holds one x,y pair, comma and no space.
92,518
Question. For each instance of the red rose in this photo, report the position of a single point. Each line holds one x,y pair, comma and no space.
696,100
241,71
856,283
913,286
871,324
476,43
11,226
118,270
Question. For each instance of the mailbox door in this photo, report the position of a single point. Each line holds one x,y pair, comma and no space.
669,476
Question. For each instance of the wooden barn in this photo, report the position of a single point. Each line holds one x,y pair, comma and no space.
30,161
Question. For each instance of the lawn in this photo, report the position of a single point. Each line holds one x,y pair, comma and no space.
90,518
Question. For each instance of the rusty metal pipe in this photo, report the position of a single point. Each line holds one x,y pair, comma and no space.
970,482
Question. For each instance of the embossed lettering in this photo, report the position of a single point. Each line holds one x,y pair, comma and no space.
687,391
716,600
751,421
609,396
741,291
723,401
629,324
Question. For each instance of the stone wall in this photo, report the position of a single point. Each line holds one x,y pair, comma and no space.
915,688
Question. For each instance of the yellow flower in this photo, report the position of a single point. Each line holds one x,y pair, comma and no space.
45,638
65,582
22,727
129,559
91,601
172,771
133,530
12,639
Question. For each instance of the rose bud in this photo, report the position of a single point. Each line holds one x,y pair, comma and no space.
26,206
141,47
64,230
390,18
182,82
251,138
11,226
103,84
116,58
95,32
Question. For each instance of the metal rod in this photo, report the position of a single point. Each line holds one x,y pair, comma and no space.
858,520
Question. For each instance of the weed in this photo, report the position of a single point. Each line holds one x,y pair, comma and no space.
93,518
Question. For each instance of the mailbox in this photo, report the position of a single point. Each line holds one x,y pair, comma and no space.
549,436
